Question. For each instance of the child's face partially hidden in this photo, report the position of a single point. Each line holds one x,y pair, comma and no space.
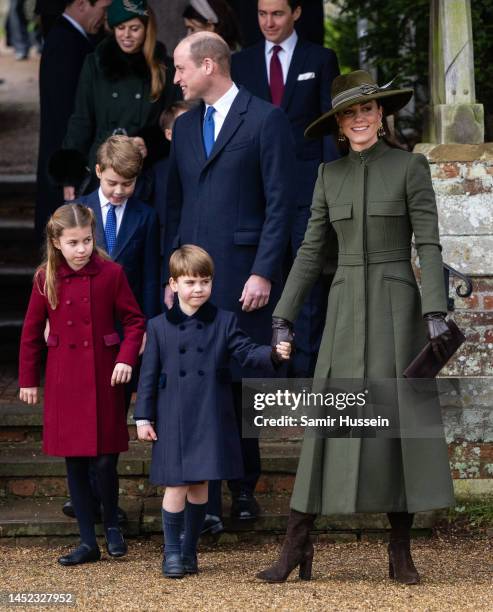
76,245
116,188
193,291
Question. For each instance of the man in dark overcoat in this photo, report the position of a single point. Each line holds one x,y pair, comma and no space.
64,52
296,75
230,191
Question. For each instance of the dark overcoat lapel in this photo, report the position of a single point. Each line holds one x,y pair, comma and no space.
299,55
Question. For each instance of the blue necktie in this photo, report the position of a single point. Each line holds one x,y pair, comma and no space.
110,229
208,130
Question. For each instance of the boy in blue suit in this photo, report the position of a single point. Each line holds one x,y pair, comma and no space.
185,403
127,228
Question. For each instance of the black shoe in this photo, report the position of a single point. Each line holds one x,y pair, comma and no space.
82,554
173,566
190,564
244,507
212,524
115,544
68,510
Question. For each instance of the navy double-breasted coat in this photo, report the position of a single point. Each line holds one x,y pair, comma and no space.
185,388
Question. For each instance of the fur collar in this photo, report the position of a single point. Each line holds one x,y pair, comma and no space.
206,314
117,65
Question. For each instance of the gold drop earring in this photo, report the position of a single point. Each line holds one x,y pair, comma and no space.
341,138
381,131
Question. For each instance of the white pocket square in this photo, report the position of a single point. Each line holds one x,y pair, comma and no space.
305,76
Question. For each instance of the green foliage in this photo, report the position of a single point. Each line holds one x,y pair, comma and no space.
397,42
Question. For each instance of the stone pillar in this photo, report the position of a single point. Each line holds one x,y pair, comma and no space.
455,117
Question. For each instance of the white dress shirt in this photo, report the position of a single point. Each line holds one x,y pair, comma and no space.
222,107
285,55
76,25
105,206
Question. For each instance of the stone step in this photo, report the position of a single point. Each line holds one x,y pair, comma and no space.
17,185
43,517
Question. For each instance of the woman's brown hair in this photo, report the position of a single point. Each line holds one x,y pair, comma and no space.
67,216
158,77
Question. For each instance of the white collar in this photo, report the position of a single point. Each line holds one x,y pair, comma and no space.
288,44
224,103
76,25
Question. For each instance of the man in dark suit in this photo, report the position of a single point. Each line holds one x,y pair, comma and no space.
230,191
64,51
296,75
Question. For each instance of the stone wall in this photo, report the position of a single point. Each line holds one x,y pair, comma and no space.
463,181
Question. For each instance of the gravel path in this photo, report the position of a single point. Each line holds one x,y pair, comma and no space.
456,575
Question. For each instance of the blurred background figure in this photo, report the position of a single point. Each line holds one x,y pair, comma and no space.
213,16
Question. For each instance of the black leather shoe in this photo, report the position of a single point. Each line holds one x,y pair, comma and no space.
190,564
68,510
244,507
82,554
173,566
115,544
212,524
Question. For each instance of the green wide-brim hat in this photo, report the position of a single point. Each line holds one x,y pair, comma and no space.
356,88
120,11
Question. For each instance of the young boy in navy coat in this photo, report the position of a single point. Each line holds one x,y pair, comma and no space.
185,405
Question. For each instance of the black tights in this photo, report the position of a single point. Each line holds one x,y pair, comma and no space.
79,484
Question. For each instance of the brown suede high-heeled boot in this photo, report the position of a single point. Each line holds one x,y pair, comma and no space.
297,550
401,564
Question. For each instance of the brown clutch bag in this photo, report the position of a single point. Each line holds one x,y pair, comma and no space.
426,364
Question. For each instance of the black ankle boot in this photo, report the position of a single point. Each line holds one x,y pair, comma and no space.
297,550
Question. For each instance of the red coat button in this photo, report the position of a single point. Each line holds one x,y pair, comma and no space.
70,322
68,302
85,278
85,343
84,299
67,280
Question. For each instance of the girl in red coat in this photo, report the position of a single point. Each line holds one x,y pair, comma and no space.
82,294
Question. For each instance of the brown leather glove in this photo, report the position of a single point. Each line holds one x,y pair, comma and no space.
438,333
282,331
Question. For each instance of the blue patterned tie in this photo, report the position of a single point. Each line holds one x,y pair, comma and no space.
110,228
208,130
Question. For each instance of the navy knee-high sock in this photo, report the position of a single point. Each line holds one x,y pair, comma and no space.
194,521
81,493
172,528
107,477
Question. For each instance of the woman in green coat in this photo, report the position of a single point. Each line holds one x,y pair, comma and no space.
371,201
123,88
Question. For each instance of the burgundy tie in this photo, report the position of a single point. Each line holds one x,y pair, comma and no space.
276,80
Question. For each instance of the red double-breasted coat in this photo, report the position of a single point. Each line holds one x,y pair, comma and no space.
83,414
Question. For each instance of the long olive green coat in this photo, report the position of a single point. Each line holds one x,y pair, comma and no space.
374,201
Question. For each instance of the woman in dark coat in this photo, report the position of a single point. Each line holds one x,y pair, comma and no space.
123,88
374,199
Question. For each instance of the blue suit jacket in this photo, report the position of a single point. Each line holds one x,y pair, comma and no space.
238,204
304,100
137,249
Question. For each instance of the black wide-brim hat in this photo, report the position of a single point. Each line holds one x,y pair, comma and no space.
356,88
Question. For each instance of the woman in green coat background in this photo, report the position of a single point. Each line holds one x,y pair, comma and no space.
124,86
371,201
